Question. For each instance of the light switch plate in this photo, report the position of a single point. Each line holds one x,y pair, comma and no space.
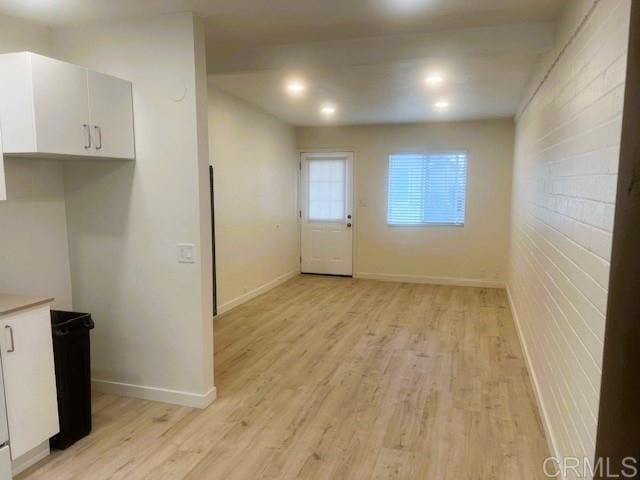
186,253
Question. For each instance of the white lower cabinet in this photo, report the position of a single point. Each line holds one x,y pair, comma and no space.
29,378
3,186
5,463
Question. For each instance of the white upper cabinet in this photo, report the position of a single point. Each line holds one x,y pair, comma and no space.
60,107
54,108
111,116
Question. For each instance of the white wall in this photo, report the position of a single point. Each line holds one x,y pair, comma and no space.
474,254
34,256
255,166
153,315
564,185
17,35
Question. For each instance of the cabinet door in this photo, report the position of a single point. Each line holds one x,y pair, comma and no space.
5,464
3,185
29,379
61,107
111,107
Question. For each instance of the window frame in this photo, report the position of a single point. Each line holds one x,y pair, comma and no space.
427,153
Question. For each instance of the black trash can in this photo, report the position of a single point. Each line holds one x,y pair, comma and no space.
73,375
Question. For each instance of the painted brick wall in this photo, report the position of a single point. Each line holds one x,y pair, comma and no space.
564,186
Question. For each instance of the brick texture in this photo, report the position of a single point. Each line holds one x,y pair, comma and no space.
564,187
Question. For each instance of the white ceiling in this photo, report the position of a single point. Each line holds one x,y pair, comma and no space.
381,79
367,56
245,22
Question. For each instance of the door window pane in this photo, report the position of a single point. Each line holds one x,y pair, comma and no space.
327,178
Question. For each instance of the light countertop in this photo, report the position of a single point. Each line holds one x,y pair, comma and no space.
15,303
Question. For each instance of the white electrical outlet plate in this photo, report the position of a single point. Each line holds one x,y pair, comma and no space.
186,253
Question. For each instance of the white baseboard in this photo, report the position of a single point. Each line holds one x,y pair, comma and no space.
187,399
461,282
225,307
548,430
30,458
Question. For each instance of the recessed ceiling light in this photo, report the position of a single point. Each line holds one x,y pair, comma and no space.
328,109
296,87
441,104
434,79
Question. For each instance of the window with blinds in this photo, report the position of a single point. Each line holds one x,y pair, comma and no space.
427,189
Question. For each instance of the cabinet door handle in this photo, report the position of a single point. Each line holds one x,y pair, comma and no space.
98,137
13,347
87,145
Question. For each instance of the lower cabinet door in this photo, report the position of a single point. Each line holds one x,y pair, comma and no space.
5,463
3,186
29,379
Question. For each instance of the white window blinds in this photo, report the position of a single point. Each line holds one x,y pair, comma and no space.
427,188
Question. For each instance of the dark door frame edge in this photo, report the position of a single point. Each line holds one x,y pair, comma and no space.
213,243
618,436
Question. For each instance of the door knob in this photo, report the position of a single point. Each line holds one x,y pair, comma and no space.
349,224
349,216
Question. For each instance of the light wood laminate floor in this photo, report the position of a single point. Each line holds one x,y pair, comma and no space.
336,378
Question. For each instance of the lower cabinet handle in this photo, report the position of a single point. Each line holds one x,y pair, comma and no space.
88,129
98,137
13,347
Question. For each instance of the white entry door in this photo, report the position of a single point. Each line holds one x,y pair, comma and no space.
327,222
